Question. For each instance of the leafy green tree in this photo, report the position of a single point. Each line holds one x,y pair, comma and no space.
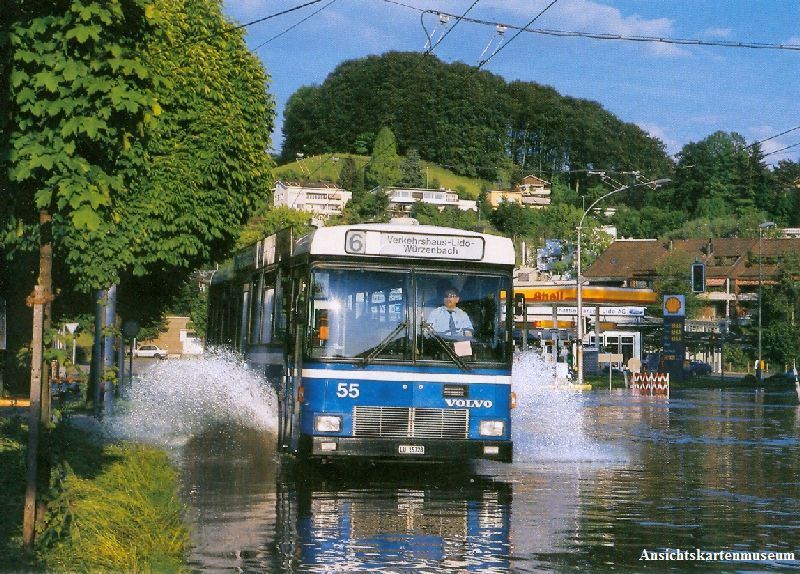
512,219
191,301
719,176
428,214
271,220
673,278
785,197
781,313
649,222
368,207
301,118
75,99
147,145
745,225
384,166
350,177
363,142
484,206
466,119
411,169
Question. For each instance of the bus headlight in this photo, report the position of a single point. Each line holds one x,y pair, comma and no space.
492,428
327,423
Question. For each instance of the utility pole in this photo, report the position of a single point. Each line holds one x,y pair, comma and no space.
39,300
29,517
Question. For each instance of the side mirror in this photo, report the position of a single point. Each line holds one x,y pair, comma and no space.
519,303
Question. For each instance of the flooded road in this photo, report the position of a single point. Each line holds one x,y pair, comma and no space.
598,478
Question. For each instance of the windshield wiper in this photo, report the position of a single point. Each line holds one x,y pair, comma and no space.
428,329
382,345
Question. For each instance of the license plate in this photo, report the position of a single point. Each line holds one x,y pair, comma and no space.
411,449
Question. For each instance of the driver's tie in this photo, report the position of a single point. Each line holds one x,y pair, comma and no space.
452,324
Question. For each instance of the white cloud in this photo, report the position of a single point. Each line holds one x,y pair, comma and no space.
718,32
591,16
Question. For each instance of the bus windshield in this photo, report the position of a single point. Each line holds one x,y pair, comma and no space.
405,315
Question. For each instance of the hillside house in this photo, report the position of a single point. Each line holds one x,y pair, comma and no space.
402,200
532,192
322,199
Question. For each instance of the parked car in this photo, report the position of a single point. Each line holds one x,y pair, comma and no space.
153,351
699,368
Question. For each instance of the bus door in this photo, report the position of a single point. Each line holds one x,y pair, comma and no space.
293,288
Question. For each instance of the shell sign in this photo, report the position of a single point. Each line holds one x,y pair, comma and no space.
674,305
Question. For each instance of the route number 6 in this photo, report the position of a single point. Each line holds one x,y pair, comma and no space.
355,242
347,390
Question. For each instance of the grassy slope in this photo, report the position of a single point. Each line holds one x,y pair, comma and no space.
114,508
329,171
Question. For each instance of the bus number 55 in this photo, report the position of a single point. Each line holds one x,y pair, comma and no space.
347,390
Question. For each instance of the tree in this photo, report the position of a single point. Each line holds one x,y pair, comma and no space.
368,207
466,119
384,166
786,193
350,177
271,220
781,311
411,170
672,278
147,145
720,176
512,219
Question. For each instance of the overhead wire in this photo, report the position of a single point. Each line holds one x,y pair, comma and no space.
451,28
502,47
611,36
292,27
233,28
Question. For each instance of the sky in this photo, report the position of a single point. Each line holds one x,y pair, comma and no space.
680,93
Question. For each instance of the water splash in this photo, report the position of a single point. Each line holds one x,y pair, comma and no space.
174,400
548,423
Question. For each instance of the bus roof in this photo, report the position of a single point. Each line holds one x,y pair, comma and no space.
419,242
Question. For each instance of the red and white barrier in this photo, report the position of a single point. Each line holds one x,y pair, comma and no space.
650,384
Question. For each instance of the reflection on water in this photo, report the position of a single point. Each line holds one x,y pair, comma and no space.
437,519
705,469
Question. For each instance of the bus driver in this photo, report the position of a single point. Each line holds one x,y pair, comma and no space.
448,320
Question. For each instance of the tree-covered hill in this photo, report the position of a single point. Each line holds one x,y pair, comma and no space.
468,120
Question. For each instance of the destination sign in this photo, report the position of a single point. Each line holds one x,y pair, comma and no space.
424,245
589,311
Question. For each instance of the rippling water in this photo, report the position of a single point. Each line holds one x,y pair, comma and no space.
597,478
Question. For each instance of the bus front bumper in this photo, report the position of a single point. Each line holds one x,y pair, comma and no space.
405,449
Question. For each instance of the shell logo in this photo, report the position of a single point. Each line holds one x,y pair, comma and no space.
673,304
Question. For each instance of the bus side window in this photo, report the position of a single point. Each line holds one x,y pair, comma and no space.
282,304
256,307
267,306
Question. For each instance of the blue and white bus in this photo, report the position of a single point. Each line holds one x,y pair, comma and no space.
343,323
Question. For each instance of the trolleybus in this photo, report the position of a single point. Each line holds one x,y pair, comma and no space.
346,324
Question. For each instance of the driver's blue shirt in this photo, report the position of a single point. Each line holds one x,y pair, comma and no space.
440,321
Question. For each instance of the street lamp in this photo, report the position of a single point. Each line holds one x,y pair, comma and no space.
761,228
579,357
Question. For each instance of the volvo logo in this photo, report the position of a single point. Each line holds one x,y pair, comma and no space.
468,403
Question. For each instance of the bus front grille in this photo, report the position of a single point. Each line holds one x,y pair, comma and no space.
401,422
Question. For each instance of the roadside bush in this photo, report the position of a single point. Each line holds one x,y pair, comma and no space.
128,518
13,436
